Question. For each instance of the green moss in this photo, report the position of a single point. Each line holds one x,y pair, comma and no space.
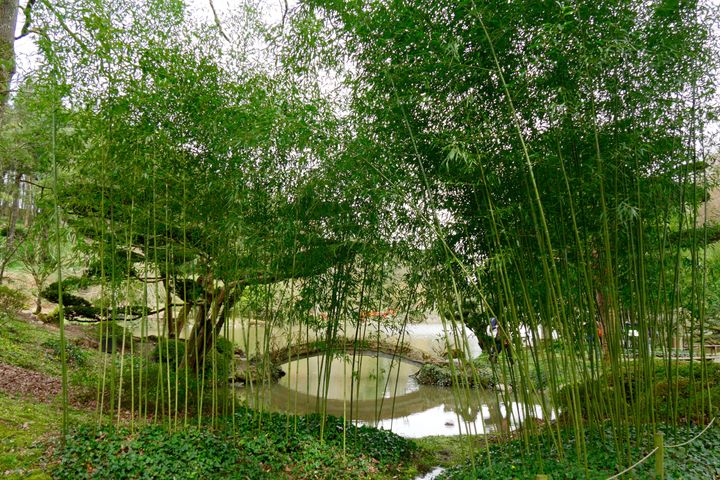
21,344
27,430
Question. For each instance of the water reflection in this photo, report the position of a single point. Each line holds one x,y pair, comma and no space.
382,393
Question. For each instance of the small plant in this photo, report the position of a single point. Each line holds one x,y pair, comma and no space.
73,353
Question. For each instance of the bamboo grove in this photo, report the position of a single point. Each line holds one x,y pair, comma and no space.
250,184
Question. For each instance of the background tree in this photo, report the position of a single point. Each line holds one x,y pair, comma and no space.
38,252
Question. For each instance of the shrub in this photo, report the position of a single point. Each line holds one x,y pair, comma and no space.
10,300
671,393
430,374
442,376
50,293
169,351
172,352
73,353
72,313
169,385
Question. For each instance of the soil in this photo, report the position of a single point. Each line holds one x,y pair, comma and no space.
21,382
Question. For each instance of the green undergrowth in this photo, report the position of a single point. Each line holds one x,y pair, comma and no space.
37,348
513,460
674,392
248,445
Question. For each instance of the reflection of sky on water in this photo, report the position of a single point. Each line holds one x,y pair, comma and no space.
444,420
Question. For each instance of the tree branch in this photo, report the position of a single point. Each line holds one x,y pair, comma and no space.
81,43
27,11
217,20
41,187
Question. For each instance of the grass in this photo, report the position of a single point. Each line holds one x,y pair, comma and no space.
28,428
26,345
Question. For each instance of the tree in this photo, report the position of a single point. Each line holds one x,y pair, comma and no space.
206,183
8,21
38,252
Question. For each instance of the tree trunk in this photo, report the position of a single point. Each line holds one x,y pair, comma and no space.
8,21
179,323
208,325
12,223
196,342
229,304
28,206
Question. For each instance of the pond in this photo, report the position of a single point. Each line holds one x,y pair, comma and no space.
383,393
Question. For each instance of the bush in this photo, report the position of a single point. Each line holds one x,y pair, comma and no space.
165,370
172,352
169,351
72,313
10,300
50,293
442,376
437,375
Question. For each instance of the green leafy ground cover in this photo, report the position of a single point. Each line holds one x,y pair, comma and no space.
284,447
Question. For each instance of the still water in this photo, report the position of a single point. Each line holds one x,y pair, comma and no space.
383,393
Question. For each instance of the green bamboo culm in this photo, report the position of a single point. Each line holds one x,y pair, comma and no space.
58,245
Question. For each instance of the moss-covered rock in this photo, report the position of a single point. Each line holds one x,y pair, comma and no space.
477,375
